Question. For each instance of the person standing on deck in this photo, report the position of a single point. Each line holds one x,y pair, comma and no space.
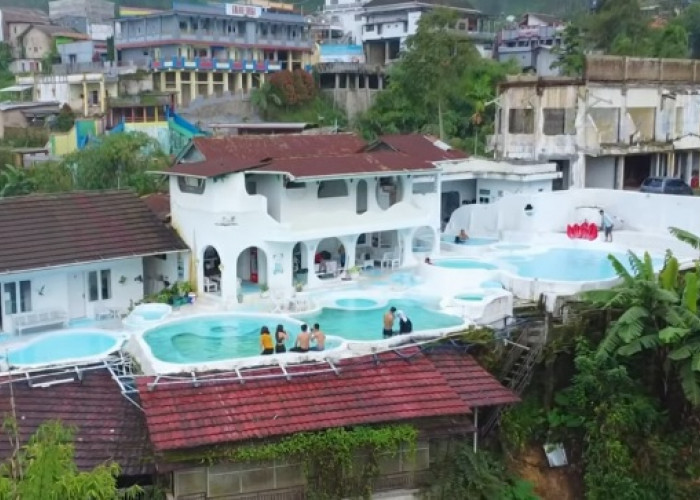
606,225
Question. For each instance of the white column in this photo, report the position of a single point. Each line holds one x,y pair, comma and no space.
620,180
310,254
349,242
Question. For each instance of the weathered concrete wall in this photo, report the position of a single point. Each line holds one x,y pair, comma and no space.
353,101
635,69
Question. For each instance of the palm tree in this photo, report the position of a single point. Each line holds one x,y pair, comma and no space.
15,181
264,98
658,325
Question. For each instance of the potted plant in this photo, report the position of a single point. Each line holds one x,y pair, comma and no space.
264,291
354,271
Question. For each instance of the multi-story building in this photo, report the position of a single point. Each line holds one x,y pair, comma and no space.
388,23
626,119
345,16
530,42
92,17
204,50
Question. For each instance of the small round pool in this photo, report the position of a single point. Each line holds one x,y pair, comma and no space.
64,347
464,264
470,297
147,314
472,242
357,303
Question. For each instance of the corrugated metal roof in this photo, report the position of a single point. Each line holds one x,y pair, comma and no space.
48,230
313,156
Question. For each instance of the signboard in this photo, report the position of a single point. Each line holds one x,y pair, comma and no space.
236,9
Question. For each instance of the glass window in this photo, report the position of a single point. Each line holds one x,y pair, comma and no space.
25,296
193,185
93,290
559,121
332,189
10,298
106,284
521,121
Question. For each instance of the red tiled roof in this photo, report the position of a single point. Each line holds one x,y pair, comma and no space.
159,204
393,389
313,155
475,386
108,427
57,229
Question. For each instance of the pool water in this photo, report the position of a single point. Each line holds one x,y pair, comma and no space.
470,296
464,264
470,242
568,264
356,303
367,324
216,338
55,348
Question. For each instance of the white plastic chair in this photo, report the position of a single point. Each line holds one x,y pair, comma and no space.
390,260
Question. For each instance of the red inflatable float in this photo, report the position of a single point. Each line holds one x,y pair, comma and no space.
586,231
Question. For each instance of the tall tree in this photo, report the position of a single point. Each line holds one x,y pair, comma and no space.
45,469
434,57
118,160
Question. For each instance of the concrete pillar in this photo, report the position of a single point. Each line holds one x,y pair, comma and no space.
263,77
620,178
103,96
85,98
657,164
162,80
380,82
249,81
290,60
225,79
210,83
386,52
310,254
193,86
349,242
337,81
238,82
178,87
688,174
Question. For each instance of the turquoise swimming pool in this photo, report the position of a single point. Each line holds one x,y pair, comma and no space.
65,346
216,338
366,324
464,264
568,264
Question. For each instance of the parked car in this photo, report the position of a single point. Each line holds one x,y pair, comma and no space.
665,185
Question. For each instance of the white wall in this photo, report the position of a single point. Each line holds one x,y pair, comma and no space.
50,287
600,172
499,187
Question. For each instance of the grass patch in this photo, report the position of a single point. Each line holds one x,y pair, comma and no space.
320,111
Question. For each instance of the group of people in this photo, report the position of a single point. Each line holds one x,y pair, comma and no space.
390,317
302,344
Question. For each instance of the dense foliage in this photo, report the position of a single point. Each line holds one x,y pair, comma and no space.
628,416
621,27
338,463
440,86
294,88
44,469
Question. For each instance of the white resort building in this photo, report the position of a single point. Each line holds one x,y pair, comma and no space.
282,210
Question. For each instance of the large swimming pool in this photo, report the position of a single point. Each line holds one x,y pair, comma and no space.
567,264
64,347
215,338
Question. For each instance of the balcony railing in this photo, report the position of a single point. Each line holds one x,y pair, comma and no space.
211,36
209,64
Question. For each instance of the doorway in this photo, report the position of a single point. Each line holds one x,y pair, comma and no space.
76,295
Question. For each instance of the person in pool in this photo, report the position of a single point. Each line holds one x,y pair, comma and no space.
318,337
405,325
389,318
266,341
303,340
462,236
280,337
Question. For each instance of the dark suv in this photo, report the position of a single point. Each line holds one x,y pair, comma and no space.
665,185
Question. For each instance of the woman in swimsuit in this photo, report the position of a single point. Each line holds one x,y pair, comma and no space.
266,341
280,337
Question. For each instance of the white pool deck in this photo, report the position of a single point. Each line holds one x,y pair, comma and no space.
424,280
